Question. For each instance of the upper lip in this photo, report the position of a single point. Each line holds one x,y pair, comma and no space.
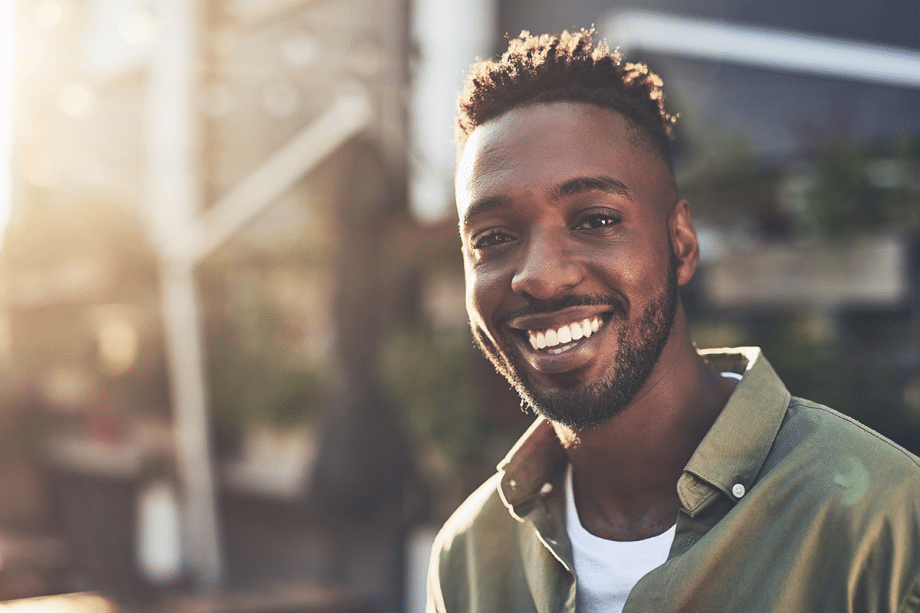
554,319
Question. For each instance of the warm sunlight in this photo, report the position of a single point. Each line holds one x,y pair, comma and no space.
6,96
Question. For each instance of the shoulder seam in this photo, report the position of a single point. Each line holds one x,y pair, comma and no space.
807,404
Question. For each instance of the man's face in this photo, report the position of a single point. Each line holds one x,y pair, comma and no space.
571,281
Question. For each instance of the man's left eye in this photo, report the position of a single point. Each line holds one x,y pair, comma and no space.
597,221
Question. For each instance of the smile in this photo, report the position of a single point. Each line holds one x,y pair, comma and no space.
561,339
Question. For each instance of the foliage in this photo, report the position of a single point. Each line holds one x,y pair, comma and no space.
251,387
430,376
254,374
856,192
719,175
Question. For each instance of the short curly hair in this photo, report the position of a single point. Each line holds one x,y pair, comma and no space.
569,68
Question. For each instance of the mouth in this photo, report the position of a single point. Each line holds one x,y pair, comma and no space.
564,338
561,341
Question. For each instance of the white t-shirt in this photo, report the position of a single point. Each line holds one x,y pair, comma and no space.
608,570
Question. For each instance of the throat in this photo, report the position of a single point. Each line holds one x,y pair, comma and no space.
632,522
630,529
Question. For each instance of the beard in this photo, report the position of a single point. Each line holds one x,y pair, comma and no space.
640,341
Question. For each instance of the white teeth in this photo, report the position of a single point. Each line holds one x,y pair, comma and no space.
546,339
565,334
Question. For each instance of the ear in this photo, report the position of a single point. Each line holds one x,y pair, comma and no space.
683,241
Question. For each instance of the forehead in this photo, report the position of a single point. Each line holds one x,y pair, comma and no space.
539,147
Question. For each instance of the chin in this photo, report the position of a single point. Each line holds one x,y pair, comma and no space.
577,404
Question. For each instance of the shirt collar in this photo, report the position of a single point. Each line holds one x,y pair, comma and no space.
535,460
731,453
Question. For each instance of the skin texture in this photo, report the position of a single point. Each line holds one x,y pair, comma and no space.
563,218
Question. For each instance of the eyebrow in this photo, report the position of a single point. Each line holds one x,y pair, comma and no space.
484,205
572,187
583,185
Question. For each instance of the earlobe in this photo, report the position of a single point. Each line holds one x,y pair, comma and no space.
683,241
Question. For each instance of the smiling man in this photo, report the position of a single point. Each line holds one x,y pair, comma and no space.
656,477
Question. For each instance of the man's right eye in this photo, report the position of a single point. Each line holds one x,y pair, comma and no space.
491,238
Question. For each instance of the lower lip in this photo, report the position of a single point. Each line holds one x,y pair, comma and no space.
566,361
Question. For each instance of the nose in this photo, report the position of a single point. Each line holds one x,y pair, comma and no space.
546,267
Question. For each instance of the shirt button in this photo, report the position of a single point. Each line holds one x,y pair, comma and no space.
738,490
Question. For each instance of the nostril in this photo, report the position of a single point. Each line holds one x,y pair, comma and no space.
545,267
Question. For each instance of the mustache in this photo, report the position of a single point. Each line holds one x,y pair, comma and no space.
538,307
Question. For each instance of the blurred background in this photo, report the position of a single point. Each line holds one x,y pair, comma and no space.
235,368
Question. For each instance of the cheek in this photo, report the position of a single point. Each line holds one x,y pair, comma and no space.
632,272
483,295
474,301
471,307
616,269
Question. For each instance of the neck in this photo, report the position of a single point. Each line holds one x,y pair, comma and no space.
625,471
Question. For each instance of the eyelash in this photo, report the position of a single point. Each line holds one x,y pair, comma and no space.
479,242
500,236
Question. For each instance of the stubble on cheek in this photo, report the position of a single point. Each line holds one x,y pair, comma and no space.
502,361
573,402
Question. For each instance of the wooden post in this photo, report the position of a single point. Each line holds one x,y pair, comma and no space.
172,146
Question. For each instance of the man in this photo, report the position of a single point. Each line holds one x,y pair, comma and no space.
656,478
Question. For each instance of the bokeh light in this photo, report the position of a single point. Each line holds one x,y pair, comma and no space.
7,48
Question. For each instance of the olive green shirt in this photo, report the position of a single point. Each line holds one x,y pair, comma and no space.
787,506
